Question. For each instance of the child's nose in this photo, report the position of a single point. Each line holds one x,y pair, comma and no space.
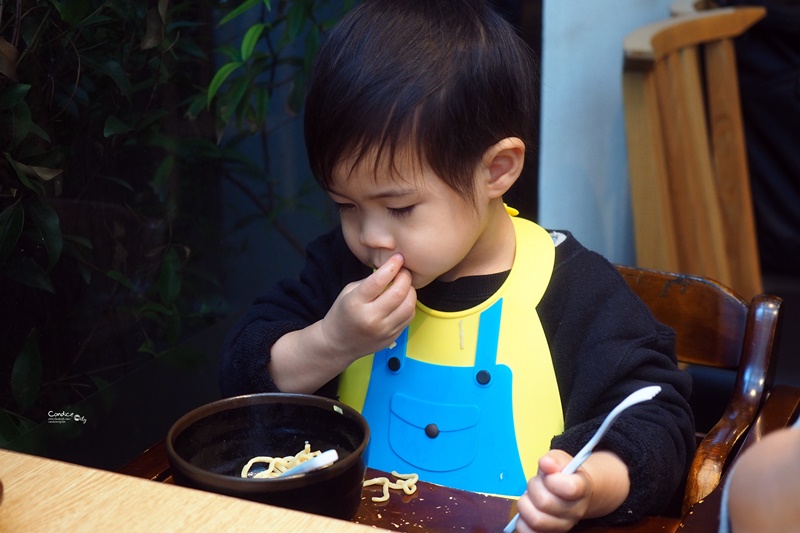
375,236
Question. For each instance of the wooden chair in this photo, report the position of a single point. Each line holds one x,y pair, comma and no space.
689,7
690,187
715,328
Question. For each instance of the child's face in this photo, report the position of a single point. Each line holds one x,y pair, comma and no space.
412,212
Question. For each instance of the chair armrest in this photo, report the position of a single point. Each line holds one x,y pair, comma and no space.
754,379
778,412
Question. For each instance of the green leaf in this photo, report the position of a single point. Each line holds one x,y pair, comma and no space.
46,220
28,272
120,278
13,94
21,124
156,308
9,57
220,77
169,279
312,43
12,219
147,347
154,30
26,376
99,382
239,10
39,132
113,70
159,183
296,98
251,39
72,12
119,181
115,126
79,248
80,241
231,52
173,327
44,173
18,167
295,19
234,96
261,104
196,107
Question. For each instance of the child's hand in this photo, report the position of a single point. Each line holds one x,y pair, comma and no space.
370,314
554,501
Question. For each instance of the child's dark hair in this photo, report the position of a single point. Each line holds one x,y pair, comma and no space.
440,80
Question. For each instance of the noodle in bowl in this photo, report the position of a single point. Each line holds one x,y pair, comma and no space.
208,447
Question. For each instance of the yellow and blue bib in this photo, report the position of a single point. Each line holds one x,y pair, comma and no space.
467,399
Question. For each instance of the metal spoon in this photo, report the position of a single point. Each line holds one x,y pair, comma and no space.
645,393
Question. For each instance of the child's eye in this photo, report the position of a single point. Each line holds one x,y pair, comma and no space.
344,207
400,212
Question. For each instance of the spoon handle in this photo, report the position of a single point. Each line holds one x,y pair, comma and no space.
320,461
645,393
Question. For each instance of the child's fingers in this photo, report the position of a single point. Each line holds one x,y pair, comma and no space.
553,461
402,299
567,488
540,511
378,281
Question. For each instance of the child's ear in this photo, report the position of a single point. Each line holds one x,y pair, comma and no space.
503,165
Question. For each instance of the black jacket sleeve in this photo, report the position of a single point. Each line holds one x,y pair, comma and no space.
606,344
291,305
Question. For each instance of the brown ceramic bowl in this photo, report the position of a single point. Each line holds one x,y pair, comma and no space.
208,447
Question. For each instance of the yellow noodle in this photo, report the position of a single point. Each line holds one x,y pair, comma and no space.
379,481
278,465
406,482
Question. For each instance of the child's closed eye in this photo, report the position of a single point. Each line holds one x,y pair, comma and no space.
401,212
343,207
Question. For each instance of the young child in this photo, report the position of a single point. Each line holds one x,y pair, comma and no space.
481,348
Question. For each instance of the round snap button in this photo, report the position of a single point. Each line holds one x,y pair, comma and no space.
432,431
394,364
483,377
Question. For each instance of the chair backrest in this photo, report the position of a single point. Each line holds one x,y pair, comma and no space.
715,328
690,187
689,7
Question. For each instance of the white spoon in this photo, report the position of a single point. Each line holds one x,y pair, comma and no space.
315,463
645,393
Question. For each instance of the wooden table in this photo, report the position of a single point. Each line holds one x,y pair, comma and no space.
46,495
435,509
431,509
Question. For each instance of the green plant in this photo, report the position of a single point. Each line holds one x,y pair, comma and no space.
265,66
99,201
115,132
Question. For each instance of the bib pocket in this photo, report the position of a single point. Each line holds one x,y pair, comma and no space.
437,437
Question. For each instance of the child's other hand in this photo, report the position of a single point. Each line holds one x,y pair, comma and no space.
370,314
554,501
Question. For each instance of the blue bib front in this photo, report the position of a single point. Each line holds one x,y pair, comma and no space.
467,399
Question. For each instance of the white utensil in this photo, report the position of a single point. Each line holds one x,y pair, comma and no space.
315,463
645,393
